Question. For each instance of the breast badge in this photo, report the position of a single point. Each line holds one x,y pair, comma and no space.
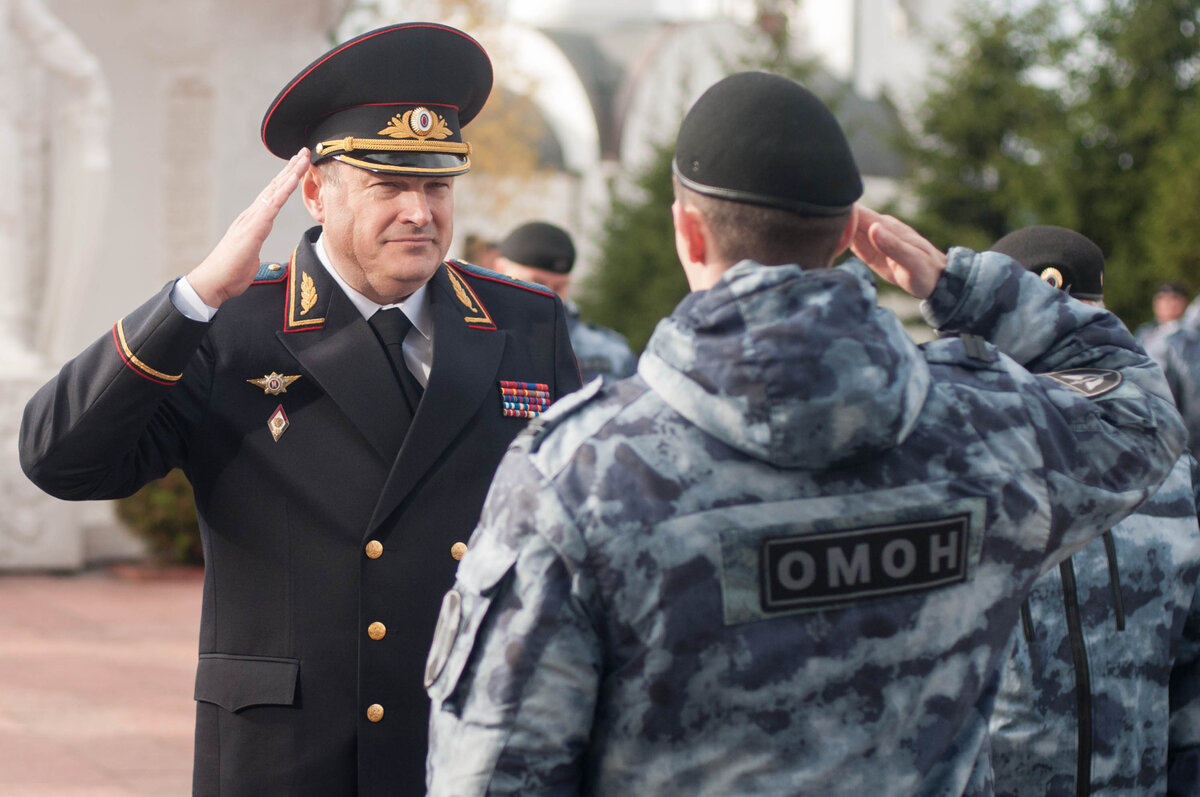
273,384
278,423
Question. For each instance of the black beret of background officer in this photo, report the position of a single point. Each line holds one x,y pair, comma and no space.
1063,258
544,254
339,415
540,245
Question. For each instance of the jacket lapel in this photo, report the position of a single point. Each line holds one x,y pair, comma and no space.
331,340
466,358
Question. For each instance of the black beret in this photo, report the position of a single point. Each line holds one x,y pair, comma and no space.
539,244
1064,258
1172,286
391,100
762,139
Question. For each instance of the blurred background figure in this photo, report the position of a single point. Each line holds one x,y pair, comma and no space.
480,251
543,253
1100,691
1169,303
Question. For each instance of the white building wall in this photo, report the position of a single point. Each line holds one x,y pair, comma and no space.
137,127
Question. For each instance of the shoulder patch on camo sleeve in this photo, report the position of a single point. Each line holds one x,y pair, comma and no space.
1091,382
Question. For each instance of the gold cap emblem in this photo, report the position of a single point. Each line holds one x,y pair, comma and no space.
419,123
1053,277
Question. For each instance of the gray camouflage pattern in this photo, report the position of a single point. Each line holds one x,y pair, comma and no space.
1143,677
1153,338
600,351
1181,364
608,642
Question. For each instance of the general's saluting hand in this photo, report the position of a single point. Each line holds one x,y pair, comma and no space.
230,267
897,253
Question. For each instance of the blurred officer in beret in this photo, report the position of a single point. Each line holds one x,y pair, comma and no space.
339,413
1169,305
1102,693
1178,349
543,253
788,556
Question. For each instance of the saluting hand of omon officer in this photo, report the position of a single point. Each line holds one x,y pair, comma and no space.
897,253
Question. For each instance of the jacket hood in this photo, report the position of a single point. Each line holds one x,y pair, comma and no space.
800,369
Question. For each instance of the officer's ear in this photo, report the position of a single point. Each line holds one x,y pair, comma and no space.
310,189
690,241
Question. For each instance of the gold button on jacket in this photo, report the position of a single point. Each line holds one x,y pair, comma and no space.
374,712
377,630
457,550
374,549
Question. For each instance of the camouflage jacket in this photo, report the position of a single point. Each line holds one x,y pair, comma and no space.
788,556
1111,636
599,350
1153,338
1181,364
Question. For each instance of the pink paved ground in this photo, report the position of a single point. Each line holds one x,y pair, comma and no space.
96,677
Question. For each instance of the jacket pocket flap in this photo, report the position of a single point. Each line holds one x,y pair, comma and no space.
236,682
463,611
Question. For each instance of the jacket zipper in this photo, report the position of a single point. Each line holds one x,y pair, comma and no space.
1114,580
1083,685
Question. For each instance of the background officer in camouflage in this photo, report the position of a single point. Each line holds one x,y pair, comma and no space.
1169,305
788,556
1102,693
544,254
1180,353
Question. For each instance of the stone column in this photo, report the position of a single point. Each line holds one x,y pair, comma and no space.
54,112
131,132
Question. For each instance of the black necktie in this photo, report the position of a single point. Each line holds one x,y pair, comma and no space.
391,326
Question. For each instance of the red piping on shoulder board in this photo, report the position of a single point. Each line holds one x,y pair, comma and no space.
279,276
502,280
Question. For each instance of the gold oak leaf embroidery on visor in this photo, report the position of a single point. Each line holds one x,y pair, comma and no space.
417,123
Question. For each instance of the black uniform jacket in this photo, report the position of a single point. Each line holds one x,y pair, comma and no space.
327,529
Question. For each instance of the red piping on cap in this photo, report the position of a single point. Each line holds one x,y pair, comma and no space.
270,113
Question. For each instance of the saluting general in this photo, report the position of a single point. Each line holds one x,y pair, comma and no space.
339,413
787,557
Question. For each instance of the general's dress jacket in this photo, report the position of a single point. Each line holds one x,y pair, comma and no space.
327,528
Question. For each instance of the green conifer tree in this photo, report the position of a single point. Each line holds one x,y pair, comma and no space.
637,280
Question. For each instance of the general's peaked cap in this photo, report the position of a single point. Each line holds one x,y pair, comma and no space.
394,99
